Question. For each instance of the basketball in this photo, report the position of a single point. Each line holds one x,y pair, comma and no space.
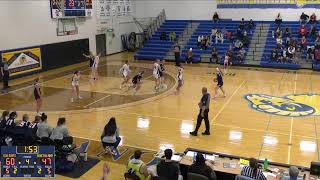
215,80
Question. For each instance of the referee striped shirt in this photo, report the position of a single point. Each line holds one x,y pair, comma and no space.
248,172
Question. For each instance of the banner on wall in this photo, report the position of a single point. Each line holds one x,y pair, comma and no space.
23,61
108,8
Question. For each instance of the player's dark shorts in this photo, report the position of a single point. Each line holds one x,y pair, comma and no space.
160,74
220,84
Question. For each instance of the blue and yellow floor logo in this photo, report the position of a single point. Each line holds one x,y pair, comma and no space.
296,105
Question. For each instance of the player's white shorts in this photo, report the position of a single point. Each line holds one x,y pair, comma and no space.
156,75
74,84
125,74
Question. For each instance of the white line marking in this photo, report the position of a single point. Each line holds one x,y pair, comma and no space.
229,100
291,123
96,101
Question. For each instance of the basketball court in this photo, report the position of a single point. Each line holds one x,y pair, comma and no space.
268,113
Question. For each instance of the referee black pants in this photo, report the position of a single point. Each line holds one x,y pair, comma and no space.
206,120
5,79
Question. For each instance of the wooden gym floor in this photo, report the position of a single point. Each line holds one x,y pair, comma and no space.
282,129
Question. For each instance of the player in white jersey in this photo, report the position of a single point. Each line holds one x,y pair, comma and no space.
124,72
180,79
156,74
94,68
75,85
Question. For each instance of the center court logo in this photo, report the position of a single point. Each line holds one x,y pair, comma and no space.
296,105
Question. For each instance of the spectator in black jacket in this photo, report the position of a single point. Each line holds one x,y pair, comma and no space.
201,167
3,119
304,18
167,169
215,17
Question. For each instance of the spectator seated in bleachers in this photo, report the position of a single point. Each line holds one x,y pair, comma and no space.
230,51
3,119
277,32
172,36
213,33
163,36
33,126
189,56
199,40
317,56
291,53
204,43
138,167
303,31
317,42
303,43
304,18
278,19
168,169
274,55
313,19
310,53
279,41
313,31
110,135
202,167
238,44
25,121
250,26
253,171
245,39
44,129
288,42
239,33
60,132
242,24
219,37
240,55
214,56
228,35
215,17
287,32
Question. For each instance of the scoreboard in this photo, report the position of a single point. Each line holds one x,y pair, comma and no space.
27,161
71,8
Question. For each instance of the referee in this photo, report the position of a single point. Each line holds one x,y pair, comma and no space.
203,114
4,68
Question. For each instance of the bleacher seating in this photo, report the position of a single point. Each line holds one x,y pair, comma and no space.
157,49
271,43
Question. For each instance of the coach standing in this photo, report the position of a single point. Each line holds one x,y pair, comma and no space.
176,49
203,114
5,73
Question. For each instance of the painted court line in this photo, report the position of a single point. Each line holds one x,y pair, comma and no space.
229,100
291,123
96,101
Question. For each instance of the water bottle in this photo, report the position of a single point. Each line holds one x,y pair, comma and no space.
265,164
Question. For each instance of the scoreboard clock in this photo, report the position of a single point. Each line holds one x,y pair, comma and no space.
70,8
27,161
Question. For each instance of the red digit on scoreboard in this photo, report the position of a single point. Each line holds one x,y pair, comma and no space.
71,3
10,161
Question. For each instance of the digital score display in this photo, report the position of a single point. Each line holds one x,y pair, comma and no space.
70,8
27,161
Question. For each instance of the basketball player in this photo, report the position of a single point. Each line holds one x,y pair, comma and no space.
219,81
227,62
94,69
180,79
91,61
136,81
37,95
156,75
124,71
161,71
75,85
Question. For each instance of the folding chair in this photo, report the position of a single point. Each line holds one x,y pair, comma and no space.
82,149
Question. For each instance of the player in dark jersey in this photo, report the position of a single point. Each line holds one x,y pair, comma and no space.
136,81
161,71
37,95
219,81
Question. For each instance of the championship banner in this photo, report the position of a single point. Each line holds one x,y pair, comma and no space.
23,61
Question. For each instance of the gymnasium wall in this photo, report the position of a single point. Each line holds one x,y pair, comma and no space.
26,23
204,9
